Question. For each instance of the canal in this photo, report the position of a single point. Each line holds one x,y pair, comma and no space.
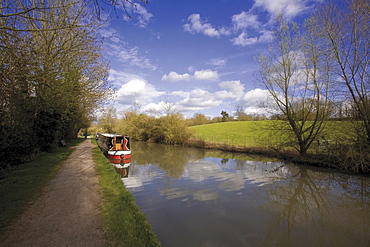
197,197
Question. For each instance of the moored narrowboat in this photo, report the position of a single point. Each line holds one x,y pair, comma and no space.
115,146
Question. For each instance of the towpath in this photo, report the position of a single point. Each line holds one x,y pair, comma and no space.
67,213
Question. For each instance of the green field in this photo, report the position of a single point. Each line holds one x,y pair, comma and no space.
243,133
261,133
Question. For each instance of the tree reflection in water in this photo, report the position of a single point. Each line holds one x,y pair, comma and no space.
313,208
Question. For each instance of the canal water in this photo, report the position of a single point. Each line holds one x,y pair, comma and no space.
197,197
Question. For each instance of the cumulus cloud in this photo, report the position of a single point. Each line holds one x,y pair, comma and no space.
288,8
245,20
246,25
174,76
206,75
234,87
197,99
244,40
200,99
255,97
119,77
201,75
258,101
137,90
195,25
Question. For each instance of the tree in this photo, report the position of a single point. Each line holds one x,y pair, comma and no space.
107,119
240,114
14,11
346,35
52,73
225,116
198,119
294,73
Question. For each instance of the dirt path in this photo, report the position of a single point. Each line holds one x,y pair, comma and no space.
66,214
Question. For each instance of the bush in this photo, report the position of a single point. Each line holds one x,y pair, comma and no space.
170,129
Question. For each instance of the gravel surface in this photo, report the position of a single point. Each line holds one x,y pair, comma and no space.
67,213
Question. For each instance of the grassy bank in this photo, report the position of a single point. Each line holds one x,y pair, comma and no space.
239,133
21,184
261,134
261,137
125,223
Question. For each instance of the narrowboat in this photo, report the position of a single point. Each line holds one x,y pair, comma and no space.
115,146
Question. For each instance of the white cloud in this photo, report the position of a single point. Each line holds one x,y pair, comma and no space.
289,8
258,101
201,75
266,36
197,99
138,14
245,20
107,32
217,62
195,25
174,76
131,56
235,88
222,95
119,77
206,75
200,99
255,97
137,90
243,40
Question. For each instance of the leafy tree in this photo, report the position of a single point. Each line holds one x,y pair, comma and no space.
52,73
198,119
107,119
225,116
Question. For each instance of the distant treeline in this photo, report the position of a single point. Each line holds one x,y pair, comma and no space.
337,146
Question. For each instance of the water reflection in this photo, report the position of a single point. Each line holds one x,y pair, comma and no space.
123,172
193,197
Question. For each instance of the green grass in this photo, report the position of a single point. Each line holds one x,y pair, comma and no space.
259,133
22,184
240,133
125,223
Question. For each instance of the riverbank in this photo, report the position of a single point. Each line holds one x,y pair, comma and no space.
67,207
338,150
310,159
123,220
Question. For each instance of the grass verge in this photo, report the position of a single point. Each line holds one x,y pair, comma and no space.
264,138
22,184
126,225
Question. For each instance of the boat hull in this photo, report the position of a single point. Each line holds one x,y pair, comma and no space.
115,147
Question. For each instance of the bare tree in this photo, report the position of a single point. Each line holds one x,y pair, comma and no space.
14,11
240,114
346,33
291,73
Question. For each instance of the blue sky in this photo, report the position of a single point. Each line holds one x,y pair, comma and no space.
197,55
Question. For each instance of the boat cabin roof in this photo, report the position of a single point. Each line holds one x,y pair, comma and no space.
111,135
